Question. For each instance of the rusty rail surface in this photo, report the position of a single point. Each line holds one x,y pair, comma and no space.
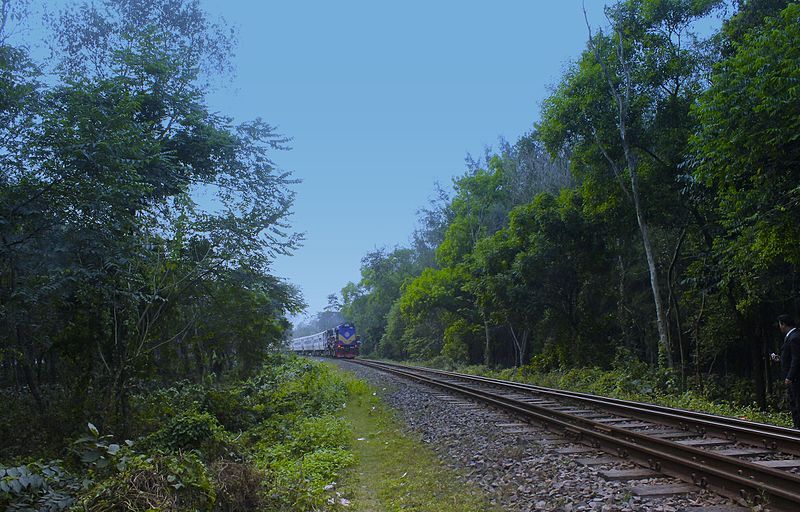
743,481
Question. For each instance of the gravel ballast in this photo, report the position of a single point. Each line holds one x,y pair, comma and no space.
515,464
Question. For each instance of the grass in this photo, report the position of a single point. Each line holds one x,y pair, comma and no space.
396,471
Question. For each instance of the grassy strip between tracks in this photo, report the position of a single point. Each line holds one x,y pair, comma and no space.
395,470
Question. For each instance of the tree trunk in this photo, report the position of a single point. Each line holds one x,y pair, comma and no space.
757,358
518,346
24,360
681,348
119,388
661,320
621,97
30,380
487,351
525,336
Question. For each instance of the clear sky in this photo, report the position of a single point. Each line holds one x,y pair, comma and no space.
382,100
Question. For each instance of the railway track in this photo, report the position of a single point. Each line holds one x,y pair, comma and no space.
700,449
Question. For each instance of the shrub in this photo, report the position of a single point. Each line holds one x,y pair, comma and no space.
165,482
231,407
192,431
238,487
297,447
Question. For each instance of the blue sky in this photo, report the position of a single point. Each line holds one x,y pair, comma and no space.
382,100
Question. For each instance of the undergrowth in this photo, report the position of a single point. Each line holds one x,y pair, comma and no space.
272,442
630,379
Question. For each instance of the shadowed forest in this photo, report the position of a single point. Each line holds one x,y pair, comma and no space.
650,217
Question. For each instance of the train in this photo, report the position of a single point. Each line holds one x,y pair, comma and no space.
340,342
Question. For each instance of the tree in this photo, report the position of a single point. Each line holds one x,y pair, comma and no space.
748,148
623,111
106,261
745,157
367,303
429,305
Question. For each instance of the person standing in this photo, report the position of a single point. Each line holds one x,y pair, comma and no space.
790,364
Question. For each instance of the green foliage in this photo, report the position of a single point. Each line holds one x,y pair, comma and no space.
37,486
192,431
456,338
178,482
288,446
308,389
368,302
300,484
479,207
110,273
746,153
99,454
320,432
303,447
631,379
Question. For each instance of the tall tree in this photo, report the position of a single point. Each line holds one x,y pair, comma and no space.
101,240
624,108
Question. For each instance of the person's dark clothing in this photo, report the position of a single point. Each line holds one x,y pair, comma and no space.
794,403
790,356
790,368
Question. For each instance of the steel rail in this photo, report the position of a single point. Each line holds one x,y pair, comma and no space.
771,437
737,479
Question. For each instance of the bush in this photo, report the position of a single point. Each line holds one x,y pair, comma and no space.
238,487
632,379
164,482
289,449
192,431
28,430
302,446
230,404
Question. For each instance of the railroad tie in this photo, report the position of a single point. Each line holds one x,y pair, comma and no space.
574,450
704,442
590,415
780,464
554,441
673,434
596,461
629,474
635,424
744,452
716,508
656,491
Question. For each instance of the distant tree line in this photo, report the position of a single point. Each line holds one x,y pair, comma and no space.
651,213
111,275
329,318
